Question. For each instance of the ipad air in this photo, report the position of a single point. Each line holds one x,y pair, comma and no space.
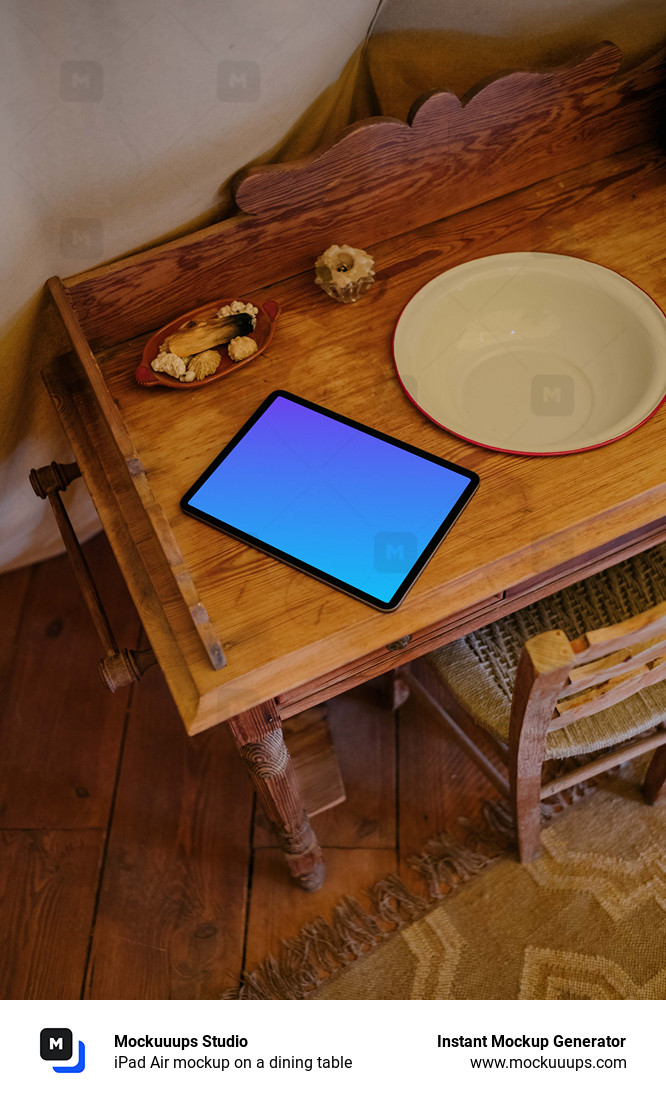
337,499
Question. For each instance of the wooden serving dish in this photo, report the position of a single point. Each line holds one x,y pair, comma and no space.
263,334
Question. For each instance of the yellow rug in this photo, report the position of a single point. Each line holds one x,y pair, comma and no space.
586,921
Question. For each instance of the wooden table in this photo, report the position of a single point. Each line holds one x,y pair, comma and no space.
567,162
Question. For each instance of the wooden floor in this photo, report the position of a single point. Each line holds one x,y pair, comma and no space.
134,862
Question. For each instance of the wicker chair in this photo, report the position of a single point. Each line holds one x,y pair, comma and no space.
520,692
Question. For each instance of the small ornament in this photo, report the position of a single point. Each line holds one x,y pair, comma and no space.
168,363
201,365
240,347
344,273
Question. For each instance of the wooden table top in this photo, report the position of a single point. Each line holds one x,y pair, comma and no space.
280,628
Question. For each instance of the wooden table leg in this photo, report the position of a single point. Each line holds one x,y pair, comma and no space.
654,784
259,740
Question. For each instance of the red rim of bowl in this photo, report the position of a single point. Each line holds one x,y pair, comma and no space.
509,450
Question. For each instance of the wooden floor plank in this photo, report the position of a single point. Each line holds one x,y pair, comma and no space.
363,732
439,784
278,909
48,883
173,903
61,730
172,906
13,591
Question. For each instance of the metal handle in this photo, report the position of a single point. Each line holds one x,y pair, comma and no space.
120,667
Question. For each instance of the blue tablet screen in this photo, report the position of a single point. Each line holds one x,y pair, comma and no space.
332,496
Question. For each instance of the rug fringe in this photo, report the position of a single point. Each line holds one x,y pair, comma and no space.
325,947
395,903
498,818
445,863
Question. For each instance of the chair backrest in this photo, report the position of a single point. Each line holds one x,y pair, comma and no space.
560,681
611,664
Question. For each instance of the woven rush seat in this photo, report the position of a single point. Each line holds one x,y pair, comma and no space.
479,670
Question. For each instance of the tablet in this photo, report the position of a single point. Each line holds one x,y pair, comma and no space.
334,498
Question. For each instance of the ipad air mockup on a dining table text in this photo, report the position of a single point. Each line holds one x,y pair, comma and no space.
338,500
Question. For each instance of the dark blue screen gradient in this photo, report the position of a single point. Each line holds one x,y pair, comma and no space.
349,504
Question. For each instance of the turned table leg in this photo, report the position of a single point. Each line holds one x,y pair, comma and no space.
259,740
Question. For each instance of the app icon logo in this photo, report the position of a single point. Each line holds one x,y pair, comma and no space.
56,1045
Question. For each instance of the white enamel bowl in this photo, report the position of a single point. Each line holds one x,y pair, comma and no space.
533,353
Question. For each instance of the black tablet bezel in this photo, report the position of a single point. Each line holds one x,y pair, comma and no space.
303,566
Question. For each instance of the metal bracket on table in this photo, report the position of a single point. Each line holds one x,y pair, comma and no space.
120,667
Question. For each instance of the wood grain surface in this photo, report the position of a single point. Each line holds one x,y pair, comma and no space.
171,909
48,883
13,590
125,462
280,628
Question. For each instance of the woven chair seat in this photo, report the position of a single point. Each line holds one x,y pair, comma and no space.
479,670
